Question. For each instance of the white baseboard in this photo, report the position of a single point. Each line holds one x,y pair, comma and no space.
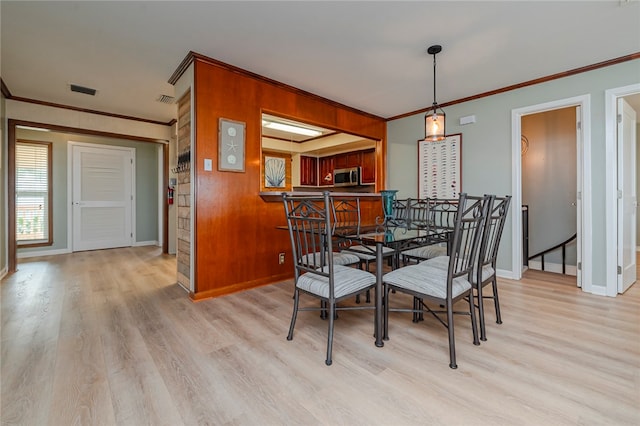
146,243
67,251
553,267
503,273
26,254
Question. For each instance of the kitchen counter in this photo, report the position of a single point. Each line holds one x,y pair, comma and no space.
337,192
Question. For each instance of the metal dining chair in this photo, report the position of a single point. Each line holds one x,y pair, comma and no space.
485,270
347,221
425,213
309,220
485,273
445,287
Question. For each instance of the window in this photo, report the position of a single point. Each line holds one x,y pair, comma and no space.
33,194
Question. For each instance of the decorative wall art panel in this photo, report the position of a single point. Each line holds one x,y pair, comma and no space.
439,168
231,145
274,172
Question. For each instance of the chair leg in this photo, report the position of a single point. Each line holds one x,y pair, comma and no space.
416,307
452,342
472,312
385,303
495,300
483,331
296,296
332,311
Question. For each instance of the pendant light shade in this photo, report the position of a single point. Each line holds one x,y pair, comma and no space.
434,120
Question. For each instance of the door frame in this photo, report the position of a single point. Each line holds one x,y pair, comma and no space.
584,190
611,183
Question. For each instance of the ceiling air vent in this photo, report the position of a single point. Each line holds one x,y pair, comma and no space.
166,99
82,89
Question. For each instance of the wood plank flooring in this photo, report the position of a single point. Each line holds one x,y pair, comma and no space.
108,338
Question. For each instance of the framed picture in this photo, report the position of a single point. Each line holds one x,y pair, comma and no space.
231,141
439,168
274,172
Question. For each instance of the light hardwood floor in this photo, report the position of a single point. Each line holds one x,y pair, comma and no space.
107,337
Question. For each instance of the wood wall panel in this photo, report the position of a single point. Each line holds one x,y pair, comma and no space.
237,243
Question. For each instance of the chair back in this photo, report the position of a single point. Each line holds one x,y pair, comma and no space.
346,215
467,232
443,212
399,212
496,218
309,223
419,214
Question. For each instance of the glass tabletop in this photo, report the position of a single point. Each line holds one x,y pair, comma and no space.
389,234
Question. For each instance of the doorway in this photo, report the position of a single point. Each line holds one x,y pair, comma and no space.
549,189
583,184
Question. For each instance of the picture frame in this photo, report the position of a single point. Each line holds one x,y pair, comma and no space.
440,167
275,172
231,145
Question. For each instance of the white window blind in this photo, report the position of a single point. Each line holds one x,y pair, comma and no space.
33,193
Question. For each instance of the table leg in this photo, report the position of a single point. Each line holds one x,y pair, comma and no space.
379,313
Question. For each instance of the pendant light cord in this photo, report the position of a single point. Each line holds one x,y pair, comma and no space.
435,104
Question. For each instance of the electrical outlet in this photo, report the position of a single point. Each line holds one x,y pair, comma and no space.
281,258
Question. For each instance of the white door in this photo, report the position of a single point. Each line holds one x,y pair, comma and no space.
102,197
627,201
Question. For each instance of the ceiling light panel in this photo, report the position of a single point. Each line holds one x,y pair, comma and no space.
292,129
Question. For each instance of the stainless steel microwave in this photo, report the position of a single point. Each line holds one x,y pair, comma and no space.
346,177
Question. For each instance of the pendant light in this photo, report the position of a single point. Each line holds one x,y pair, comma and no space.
434,119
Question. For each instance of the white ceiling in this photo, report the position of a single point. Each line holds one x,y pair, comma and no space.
368,55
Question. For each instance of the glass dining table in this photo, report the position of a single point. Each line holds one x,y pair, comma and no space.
398,238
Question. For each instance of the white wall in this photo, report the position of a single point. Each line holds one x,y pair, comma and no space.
486,145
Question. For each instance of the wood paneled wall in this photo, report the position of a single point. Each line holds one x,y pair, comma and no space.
236,241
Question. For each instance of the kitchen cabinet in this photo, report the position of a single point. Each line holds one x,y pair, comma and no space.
348,159
308,171
326,166
368,164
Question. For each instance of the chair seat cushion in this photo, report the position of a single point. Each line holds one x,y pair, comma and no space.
427,280
338,259
346,281
368,252
426,252
443,263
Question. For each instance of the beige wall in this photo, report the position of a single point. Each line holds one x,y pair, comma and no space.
82,120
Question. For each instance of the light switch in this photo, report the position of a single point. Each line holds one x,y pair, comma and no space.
207,165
